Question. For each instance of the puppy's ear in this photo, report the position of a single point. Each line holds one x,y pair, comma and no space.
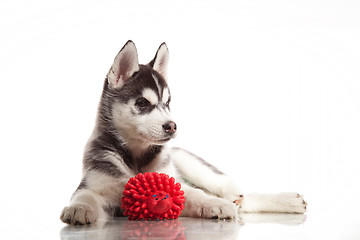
124,66
160,61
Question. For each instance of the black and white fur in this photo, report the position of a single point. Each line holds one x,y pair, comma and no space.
132,127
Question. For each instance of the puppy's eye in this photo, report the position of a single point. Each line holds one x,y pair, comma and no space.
167,103
142,102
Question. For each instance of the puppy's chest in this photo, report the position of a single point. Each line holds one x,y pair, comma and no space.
159,162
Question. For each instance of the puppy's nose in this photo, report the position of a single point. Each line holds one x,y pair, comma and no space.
169,127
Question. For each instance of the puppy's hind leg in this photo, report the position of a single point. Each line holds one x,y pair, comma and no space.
274,203
205,176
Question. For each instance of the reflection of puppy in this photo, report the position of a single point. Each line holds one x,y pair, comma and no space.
132,126
186,228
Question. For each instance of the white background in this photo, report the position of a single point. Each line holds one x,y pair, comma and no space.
268,91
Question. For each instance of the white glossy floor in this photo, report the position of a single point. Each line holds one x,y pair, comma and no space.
188,228
252,226
19,222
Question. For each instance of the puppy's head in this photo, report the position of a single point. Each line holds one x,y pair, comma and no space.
140,97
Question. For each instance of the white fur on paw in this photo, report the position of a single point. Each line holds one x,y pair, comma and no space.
79,214
218,208
291,203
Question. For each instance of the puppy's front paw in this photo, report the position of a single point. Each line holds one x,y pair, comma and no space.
217,208
79,214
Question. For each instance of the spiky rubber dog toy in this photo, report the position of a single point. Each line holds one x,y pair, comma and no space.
152,196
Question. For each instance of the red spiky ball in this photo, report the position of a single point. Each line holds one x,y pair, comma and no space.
152,196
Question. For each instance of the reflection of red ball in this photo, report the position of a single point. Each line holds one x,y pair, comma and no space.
152,196
171,230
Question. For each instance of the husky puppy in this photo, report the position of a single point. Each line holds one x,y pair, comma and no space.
132,128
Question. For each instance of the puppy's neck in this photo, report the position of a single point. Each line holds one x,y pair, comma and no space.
143,155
